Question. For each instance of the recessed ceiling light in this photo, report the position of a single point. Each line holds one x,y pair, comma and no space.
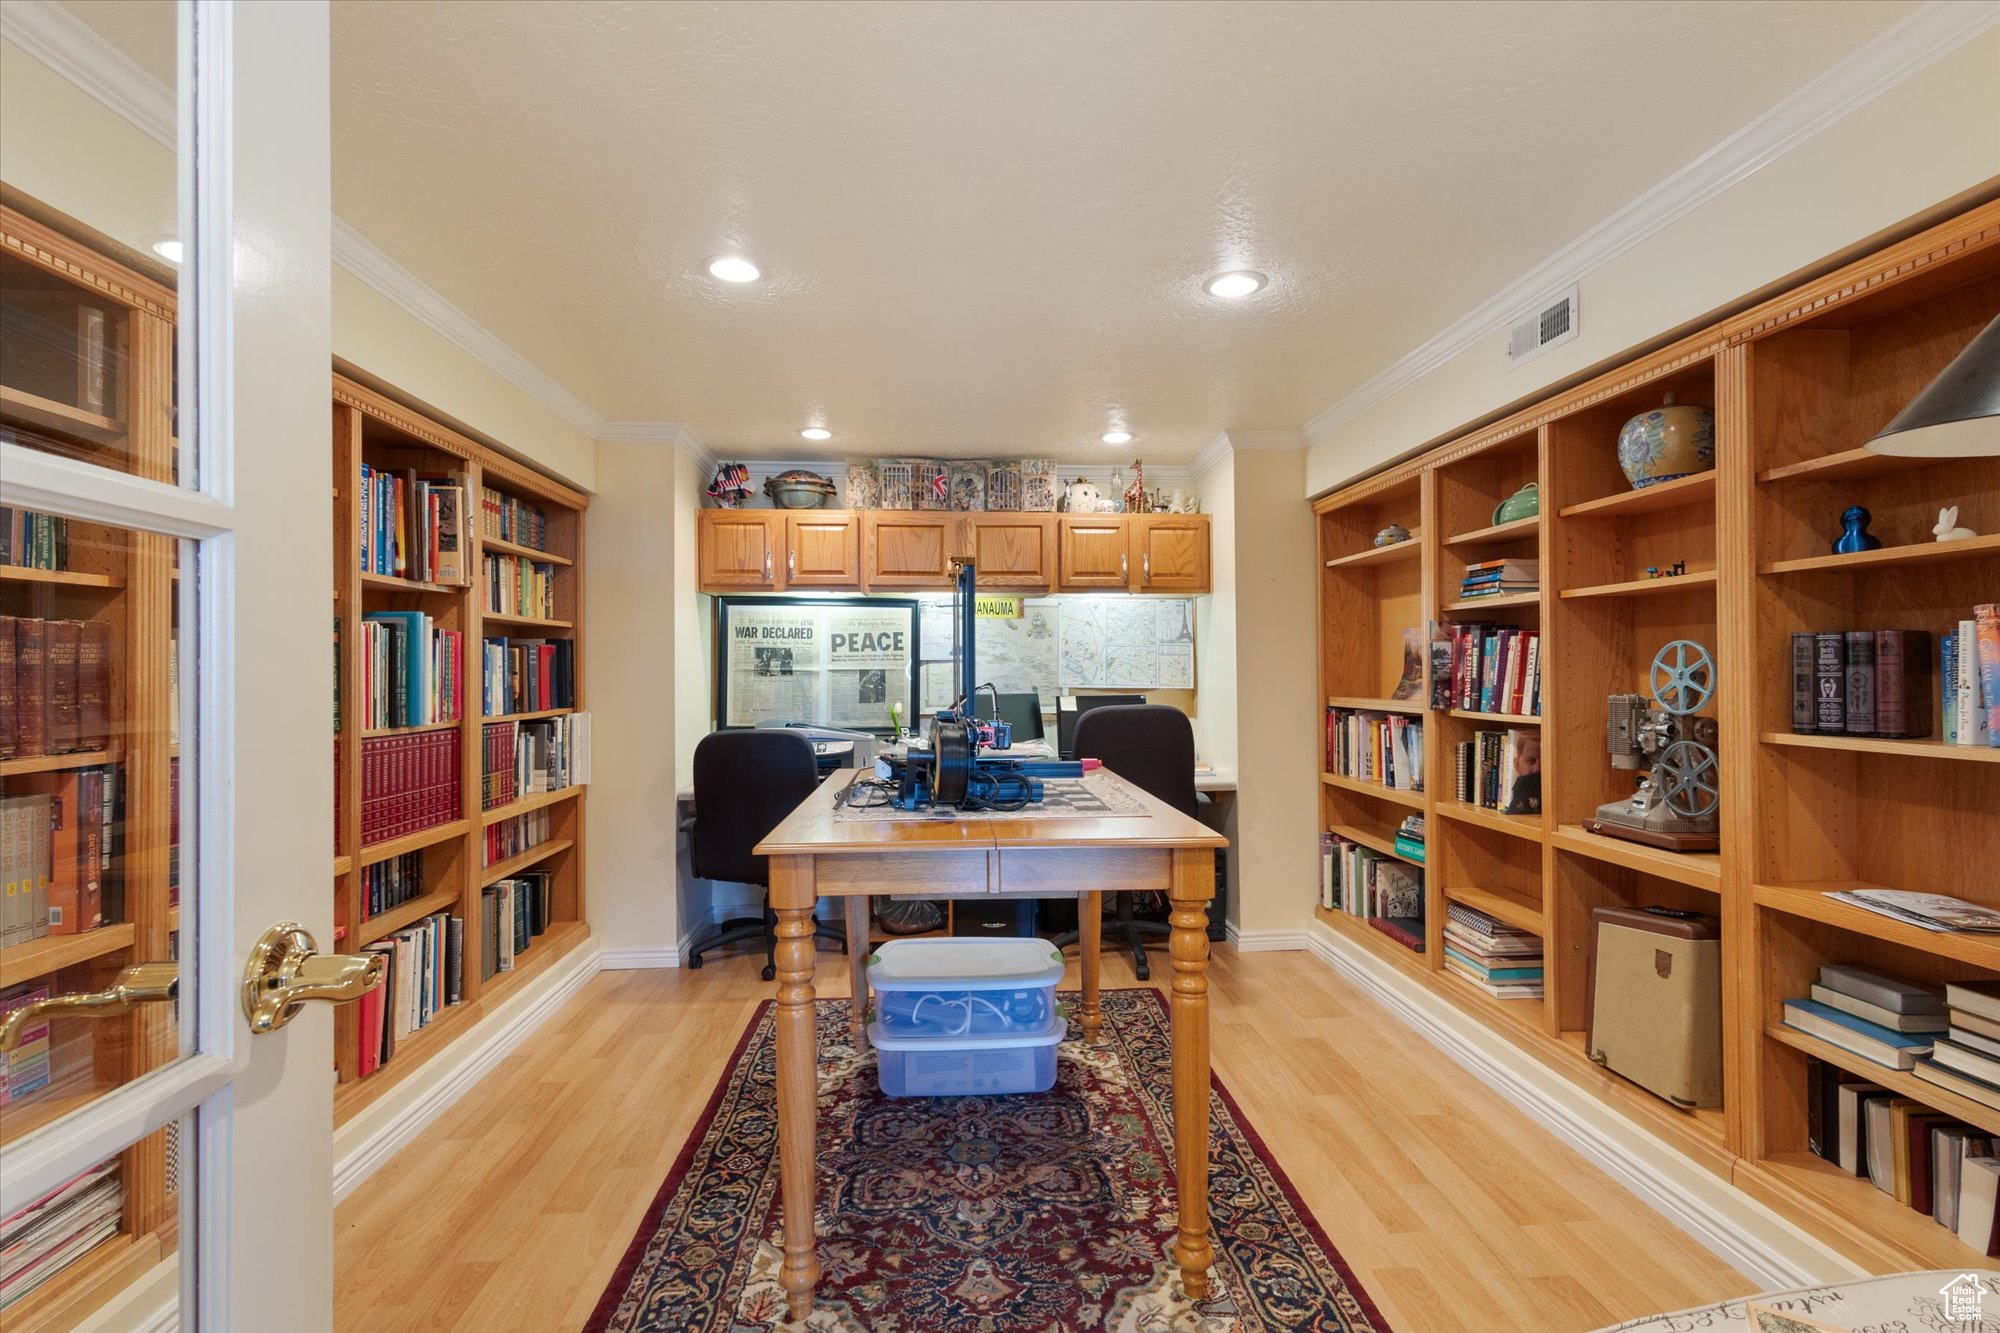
734,268
816,433
1118,437
1231,286
169,250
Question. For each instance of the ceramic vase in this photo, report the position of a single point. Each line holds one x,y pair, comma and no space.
1668,442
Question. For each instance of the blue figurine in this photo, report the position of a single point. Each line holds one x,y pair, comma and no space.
1854,535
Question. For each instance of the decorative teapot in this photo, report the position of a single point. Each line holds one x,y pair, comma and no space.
1083,497
1524,503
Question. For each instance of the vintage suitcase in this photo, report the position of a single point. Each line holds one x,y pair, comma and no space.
1655,1001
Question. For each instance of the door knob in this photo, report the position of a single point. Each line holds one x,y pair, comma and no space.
142,983
284,972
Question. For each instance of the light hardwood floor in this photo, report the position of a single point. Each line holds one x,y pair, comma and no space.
1456,1210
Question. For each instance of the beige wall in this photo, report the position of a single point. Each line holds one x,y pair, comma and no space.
1923,142
1215,622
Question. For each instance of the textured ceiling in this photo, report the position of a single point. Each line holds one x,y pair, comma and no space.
984,227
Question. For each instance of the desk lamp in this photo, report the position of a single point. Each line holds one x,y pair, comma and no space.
1958,413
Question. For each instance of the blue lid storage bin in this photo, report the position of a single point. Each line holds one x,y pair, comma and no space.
950,988
967,1066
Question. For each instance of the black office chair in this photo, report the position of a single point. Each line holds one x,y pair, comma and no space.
745,783
1151,746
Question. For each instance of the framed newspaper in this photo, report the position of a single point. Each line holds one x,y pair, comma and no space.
837,662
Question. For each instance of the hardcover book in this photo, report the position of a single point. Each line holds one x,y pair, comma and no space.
1830,682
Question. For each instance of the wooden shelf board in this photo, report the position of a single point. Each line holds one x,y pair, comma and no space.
79,1087
1929,748
1528,828
1808,899
341,865
543,951
1700,870
1413,799
1487,603
1382,555
66,578
1847,465
520,861
402,914
55,763
1374,841
57,416
1375,941
1525,1013
1911,553
91,1280
527,717
1930,1094
38,958
494,546
1699,578
414,842
392,583
525,622
528,803
371,732
1852,1215
1411,706
1505,719
1666,495
1500,907
1499,532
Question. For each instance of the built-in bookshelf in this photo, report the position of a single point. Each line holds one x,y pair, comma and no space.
517,586
1738,559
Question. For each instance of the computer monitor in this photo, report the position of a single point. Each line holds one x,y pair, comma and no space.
1070,707
1023,712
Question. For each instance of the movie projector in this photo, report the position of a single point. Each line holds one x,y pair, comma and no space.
1677,803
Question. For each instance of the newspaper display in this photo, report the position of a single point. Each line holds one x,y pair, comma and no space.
867,665
843,665
773,662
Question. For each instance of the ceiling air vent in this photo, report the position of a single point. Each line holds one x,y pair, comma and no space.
1550,323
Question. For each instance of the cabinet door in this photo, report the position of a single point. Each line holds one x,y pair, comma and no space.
909,550
1170,552
823,549
739,549
1094,552
1014,550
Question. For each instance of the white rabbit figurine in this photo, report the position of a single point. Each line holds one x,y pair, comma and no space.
1947,528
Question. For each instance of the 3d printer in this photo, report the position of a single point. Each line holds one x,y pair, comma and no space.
1677,802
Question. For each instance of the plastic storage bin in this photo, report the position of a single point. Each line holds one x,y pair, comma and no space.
953,988
967,1066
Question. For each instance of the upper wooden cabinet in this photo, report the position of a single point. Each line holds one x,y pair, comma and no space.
1012,551
741,550
823,549
909,549
1096,555
1169,552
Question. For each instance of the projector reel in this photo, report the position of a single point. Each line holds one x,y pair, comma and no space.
1683,677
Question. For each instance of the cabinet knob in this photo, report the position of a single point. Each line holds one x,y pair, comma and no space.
791,564
1124,565
767,566
1146,567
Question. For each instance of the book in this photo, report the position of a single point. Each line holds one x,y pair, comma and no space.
1931,911
1822,1108
1830,682
1965,1060
1881,1115
1406,931
1860,682
1902,683
1986,629
1870,1041
1852,1131
31,686
93,685
1974,1000
1950,1146
1804,712
1884,990
10,722
1965,1085
1948,684
1979,1205
63,638
1973,718
1887,1018
1521,773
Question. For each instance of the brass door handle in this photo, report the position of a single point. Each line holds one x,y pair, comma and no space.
284,972
142,983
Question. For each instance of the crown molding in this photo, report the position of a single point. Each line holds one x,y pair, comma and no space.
1208,456
70,47
677,434
1229,441
1919,40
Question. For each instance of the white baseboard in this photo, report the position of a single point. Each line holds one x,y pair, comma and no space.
1751,1238
618,960
391,1122
1267,941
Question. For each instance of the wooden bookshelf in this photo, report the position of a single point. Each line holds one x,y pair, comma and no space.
1801,815
371,426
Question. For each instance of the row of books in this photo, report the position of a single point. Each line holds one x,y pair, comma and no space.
1372,746
410,672
1500,770
527,676
1969,667
55,686
408,783
1361,881
1883,1018
524,758
423,975
413,525
47,1235
25,1069
511,837
518,587
1501,578
1502,960
1880,682
391,883
59,840
1935,1164
517,911
33,541
1487,668
511,520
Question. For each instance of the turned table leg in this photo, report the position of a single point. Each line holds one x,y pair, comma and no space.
857,969
793,899
1089,937
1193,885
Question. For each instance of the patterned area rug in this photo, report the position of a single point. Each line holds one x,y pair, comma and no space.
1037,1214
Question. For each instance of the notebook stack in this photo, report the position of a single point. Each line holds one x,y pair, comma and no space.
1504,962
1501,578
1884,1019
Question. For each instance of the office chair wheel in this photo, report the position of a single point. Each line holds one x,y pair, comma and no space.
770,973
694,961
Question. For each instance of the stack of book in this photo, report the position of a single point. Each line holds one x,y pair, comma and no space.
1501,578
1966,1060
511,837
61,834
409,670
1883,1018
1880,682
1370,746
25,1069
33,541
1500,770
528,676
1501,960
518,587
49,1234
1489,669
391,883
413,525
423,975
409,783
1410,839
517,911
503,517
55,686
524,758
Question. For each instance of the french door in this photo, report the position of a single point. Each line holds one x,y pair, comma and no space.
165,778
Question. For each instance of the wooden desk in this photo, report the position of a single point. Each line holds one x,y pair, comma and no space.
813,854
